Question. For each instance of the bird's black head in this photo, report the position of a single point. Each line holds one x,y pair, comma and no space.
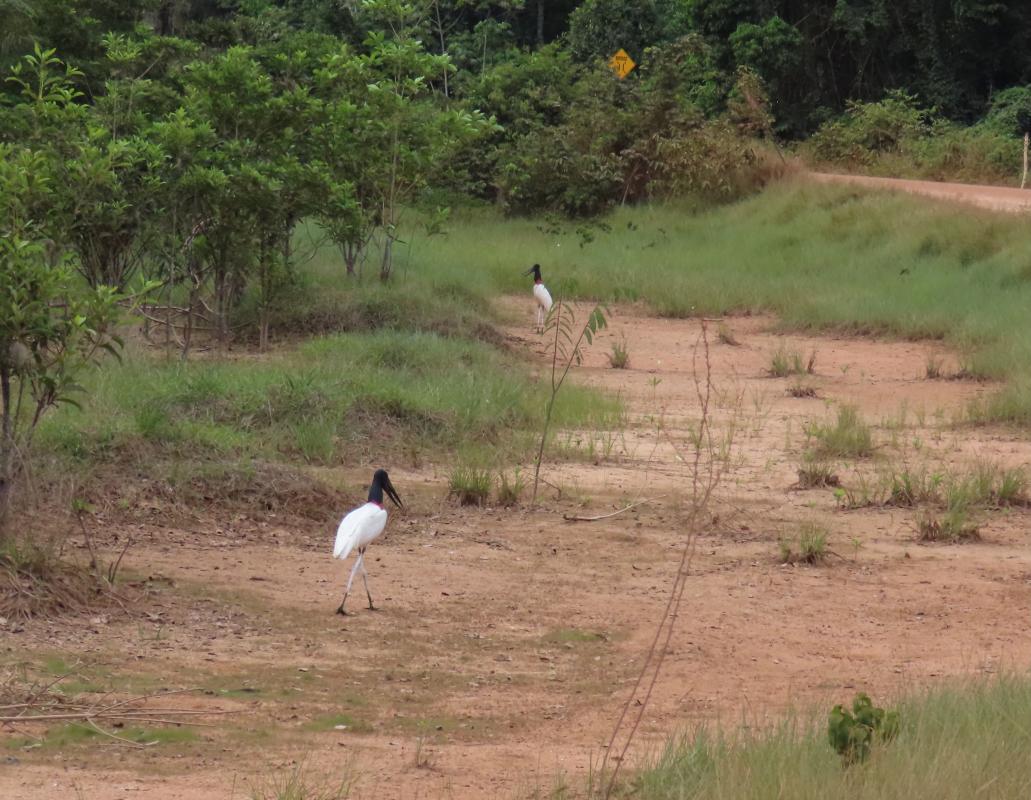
381,483
535,270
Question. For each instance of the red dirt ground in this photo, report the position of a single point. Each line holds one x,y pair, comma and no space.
508,638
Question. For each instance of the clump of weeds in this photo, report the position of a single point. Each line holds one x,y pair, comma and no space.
471,486
786,362
510,489
810,547
848,437
619,358
800,389
816,473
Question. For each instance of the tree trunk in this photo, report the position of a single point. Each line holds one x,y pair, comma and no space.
188,329
221,307
443,45
263,327
388,258
349,251
6,440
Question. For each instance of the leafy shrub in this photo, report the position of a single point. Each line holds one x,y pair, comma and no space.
853,734
870,128
896,136
1010,111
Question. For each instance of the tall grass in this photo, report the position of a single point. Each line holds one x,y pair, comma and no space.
820,257
330,400
965,741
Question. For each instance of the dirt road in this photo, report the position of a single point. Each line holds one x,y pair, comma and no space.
507,638
995,198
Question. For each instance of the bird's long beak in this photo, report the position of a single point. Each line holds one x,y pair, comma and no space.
392,494
529,271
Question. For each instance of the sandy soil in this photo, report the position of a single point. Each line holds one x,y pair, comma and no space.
507,639
995,198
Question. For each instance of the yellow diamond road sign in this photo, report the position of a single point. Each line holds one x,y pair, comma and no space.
621,64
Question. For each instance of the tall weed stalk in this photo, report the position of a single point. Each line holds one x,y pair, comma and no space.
708,455
566,342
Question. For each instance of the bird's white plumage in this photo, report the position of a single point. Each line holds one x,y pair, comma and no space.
358,528
542,296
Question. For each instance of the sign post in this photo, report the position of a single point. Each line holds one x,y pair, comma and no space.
621,63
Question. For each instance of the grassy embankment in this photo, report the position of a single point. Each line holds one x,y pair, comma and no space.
965,741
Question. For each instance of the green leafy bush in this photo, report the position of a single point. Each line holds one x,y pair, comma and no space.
853,734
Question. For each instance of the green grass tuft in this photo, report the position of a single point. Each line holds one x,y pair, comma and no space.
470,486
810,547
848,437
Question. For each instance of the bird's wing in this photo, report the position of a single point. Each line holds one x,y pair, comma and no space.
543,296
359,528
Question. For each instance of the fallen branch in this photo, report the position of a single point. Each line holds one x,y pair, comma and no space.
119,739
568,518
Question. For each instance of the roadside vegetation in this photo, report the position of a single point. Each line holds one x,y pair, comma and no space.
955,741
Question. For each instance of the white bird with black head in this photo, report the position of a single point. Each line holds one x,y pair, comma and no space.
361,527
540,295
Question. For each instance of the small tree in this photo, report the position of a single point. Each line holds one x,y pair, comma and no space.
52,324
51,329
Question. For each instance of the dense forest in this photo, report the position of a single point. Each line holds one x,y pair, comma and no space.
171,149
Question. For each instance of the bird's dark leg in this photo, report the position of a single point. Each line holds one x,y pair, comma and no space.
340,610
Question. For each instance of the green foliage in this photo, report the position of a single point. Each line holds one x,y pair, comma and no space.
52,330
853,734
897,136
1010,112
598,28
